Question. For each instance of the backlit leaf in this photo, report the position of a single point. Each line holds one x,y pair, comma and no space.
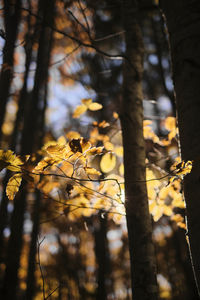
86,102
108,146
119,151
80,109
108,162
95,106
170,123
85,144
115,115
91,171
10,161
13,186
72,135
95,151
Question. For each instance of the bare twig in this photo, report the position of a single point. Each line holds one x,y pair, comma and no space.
40,267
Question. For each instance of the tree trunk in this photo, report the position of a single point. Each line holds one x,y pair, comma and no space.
143,270
10,282
11,21
183,22
102,258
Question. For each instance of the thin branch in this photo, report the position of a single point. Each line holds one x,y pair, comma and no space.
79,42
40,267
85,18
53,292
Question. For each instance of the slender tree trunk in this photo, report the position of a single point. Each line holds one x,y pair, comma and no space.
101,252
30,290
11,21
31,139
9,290
183,22
41,91
143,270
32,132
21,104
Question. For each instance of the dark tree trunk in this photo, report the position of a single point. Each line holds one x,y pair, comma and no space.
11,21
183,22
9,290
31,141
101,252
32,133
30,283
43,58
21,104
143,266
3,216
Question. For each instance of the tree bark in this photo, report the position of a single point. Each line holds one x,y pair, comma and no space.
11,21
183,22
102,256
143,270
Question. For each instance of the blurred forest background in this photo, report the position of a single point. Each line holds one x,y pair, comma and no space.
55,244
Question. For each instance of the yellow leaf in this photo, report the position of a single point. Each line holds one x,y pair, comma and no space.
43,164
95,106
108,162
108,146
178,200
85,145
170,123
73,135
157,213
95,150
119,151
13,186
115,115
61,140
103,124
86,102
92,171
80,109
55,149
10,161
167,210
147,122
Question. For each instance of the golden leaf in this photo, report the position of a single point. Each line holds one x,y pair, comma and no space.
108,146
91,171
108,162
80,109
103,124
85,145
43,164
172,134
115,115
95,106
147,122
72,135
119,151
10,161
170,123
61,140
13,186
95,150
86,102
56,151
